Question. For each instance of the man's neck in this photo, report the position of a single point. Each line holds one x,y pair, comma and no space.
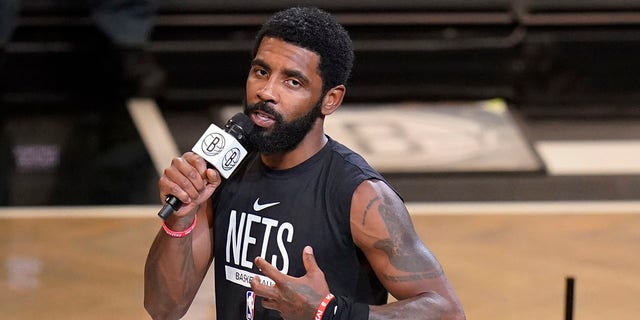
307,148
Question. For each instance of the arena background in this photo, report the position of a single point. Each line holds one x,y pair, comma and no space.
511,128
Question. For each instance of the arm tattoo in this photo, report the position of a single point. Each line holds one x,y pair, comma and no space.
366,210
413,277
398,245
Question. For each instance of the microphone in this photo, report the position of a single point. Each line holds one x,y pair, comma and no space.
222,149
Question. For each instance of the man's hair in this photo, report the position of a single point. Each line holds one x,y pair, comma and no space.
315,30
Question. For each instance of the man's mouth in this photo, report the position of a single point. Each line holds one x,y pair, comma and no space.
262,119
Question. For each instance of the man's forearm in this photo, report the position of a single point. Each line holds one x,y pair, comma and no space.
170,277
427,306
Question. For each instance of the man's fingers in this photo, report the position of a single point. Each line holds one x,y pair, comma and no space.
186,176
172,188
269,294
196,161
269,270
257,286
213,177
314,273
262,290
309,260
189,179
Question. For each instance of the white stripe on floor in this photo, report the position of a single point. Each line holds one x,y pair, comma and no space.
415,208
125,211
522,207
603,157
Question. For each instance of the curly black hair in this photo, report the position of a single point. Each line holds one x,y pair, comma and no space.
318,31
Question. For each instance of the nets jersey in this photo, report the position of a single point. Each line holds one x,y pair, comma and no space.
275,214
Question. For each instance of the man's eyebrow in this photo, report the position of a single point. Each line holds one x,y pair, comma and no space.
296,74
287,72
260,63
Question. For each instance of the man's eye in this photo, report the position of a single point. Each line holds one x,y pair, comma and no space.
261,72
294,83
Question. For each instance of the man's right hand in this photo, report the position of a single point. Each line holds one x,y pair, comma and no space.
189,180
175,266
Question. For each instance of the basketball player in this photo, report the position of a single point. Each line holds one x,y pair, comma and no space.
307,229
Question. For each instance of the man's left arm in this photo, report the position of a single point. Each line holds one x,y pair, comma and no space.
382,228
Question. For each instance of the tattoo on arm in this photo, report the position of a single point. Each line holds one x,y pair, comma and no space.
413,277
366,210
397,246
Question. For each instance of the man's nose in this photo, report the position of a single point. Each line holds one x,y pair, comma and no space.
268,92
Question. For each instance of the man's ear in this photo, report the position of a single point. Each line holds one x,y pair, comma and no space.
333,99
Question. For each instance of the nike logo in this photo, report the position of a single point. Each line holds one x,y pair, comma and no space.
259,207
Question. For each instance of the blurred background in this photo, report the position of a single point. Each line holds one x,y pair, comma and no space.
515,120
567,70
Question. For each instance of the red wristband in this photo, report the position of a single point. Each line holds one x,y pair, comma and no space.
180,234
323,306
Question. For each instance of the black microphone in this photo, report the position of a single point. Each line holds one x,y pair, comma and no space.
222,149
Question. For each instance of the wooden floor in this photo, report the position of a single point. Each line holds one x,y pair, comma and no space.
87,263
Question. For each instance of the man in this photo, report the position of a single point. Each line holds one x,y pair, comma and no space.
307,229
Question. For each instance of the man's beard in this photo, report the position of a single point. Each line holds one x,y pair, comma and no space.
282,136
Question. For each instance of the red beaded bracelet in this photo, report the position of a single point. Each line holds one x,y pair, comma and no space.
323,306
180,234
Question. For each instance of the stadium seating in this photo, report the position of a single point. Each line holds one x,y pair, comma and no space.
542,55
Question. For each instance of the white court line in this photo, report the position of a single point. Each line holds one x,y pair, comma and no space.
124,211
154,132
415,208
524,208
615,157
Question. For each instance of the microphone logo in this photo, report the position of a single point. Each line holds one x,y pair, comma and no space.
231,158
223,148
212,144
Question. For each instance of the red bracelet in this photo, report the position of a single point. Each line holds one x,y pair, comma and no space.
323,306
180,234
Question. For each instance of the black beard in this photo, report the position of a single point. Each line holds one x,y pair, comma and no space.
283,136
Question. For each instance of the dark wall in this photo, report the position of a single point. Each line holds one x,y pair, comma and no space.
545,57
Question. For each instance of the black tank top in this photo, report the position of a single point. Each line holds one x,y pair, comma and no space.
275,214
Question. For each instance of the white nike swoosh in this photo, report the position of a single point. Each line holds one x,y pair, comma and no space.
259,207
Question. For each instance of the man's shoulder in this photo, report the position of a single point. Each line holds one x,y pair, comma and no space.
343,151
353,160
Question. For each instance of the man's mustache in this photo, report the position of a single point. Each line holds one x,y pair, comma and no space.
266,108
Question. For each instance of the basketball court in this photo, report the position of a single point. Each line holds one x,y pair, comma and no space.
506,260
87,262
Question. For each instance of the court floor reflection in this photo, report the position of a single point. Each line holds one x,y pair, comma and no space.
87,262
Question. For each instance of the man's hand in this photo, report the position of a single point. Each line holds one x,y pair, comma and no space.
294,298
188,179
